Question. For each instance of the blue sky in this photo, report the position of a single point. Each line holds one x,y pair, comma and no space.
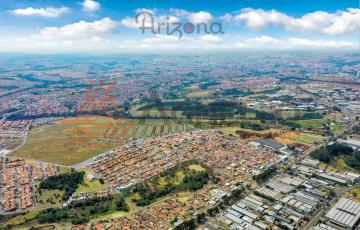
44,26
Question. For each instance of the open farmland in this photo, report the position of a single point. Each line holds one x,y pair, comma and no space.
74,140
282,136
290,137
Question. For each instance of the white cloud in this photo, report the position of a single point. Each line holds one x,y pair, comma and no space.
90,5
306,43
226,18
179,12
161,38
341,22
151,11
266,42
130,22
209,38
148,15
194,17
82,28
49,12
82,36
164,42
200,17
240,45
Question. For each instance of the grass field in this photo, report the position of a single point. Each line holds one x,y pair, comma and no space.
67,142
282,136
199,94
336,127
316,124
229,130
90,186
309,139
73,140
311,124
338,166
197,168
20,219
178,179
48,198
157,113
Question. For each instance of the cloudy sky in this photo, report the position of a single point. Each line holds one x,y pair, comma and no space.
104,26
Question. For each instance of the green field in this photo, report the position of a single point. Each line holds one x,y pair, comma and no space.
187,176
311,124
48,198
67,142
73,140
19,219
308,139
90,186
336,127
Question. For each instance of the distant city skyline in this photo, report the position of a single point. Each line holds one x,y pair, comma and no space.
98,26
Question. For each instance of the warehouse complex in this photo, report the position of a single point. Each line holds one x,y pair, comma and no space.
346,213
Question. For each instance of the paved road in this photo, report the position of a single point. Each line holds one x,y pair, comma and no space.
25,139
326,141
85,163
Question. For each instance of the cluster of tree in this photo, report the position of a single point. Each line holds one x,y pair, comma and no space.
246,134
21,115
354,160
285,98
52,215
79,212
226,201
307,116
191,223
208,84
217,109
253,126
151,190
291,125
328,153
190,183
68,183
356,129
271,91
237,92
265,174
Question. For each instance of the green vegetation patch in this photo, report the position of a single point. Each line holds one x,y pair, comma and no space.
354,160
79,212
307,116
331,153
187,176
91,186
214,110
67,142
49,198
68,183
336,127
328,153
310,124
308,139
18,219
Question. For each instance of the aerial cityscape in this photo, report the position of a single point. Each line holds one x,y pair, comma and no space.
183,115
